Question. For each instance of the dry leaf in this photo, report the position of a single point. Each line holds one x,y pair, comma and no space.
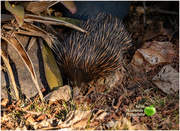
5,118
31,43
30,119
167,80
139,10
140,127
37,7
111,124
153,30
76,119
70,5
101,114
4,102
43,124
41,117
124,124
151,55
63,93
136,118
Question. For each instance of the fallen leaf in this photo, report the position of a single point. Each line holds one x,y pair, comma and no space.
31,43
76,119
124,124
43,124
30,119
21,128
154,29
70,20
111,124
53,21
63,93
40,118
136,118
140,10
4,102
167,80
140,127
101,114
5,118
151,55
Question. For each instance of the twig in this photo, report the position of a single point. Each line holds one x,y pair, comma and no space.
34,113
144,4
164,11
3,68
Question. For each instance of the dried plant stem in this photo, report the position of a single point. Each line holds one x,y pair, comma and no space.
48,20
26,59
6,61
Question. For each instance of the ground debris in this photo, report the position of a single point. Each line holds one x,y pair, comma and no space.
167,80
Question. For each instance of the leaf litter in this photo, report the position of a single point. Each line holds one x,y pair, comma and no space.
104,104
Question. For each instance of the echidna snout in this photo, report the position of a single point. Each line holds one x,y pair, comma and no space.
86,57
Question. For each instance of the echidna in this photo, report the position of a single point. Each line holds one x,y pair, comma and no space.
86,57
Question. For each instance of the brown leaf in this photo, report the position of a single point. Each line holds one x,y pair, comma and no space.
37,7
53,21
30,119
136,118
119,101
4,102
34,113
76,119
5,118
40,118
63,93
151,55
70,5
140,127
167,80
31,43
100,115
153,30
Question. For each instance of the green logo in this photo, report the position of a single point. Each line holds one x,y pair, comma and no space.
150,110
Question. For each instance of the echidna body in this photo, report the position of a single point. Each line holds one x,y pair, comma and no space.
86,57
